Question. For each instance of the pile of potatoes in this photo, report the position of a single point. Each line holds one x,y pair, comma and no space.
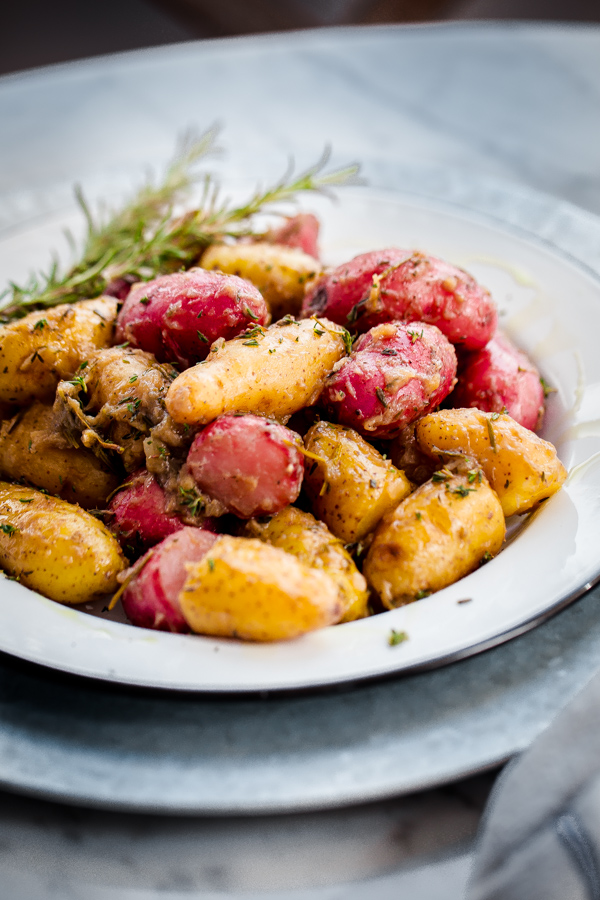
257,447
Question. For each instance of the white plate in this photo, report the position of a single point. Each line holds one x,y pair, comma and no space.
551,307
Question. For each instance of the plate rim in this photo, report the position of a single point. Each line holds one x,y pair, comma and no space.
471,213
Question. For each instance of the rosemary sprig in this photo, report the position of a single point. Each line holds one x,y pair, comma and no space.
147,238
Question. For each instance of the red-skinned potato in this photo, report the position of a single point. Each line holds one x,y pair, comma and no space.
177,317
150,599
408,286
301,231
501,377
139,511
250,464
395,374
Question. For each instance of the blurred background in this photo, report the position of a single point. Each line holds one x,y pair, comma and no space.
39,32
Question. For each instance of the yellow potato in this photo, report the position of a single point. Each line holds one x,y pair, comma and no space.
56,548
249,590
521,467
312,543
443,531
36,352
350,485
32,450
273,371
114,402
279,272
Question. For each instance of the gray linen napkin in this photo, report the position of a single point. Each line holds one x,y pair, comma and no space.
540,835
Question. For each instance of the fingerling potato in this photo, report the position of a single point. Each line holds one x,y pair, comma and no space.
32,450
246,589
311,542
521,467
42,348
349,483
437,535
56,548
273,371
280,273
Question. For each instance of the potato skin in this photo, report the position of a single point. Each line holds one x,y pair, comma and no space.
407,286
56,548
501,377
252,465
273,371
279,272
394,374
434,537
42,348
349,483
301,230
33,451
246,589
521,467
177,317
312,543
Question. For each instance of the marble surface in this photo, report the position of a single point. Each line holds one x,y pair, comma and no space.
516,103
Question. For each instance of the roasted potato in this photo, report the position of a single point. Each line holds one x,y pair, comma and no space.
150,599
56,548
312,543
280,273
443,531
36,352
113,403
246,589
271,371
177,317
251,465
349,483
521,467
33,451
394,374
401,285
501,378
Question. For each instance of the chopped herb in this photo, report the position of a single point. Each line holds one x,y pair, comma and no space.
8,529
381,397
79,382
202,337
132,379
462,491
420,595
543,476
39,325
472,475
191,499
287,320
397,637
30,445
251,343
495,416
491,436
211,564
415,335
317,329
83,366
485,558
546,387
144,301
324,488
23,500
418,516
122,346
347,340
271,349
442,475
251,314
